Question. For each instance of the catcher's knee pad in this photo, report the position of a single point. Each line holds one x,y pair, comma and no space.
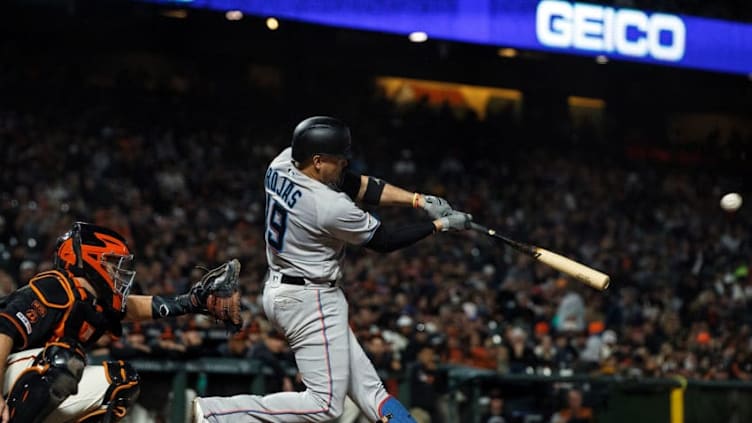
41,388
393,411
120,396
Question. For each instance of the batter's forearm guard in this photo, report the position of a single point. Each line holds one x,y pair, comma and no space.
386,240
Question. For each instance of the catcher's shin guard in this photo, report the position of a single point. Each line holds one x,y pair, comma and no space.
41,388
393,411
120,396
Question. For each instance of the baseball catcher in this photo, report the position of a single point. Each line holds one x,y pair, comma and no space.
46,326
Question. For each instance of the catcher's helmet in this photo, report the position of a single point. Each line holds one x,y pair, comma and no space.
320,135
102,257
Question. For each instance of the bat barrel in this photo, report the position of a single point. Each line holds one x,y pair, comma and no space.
579,271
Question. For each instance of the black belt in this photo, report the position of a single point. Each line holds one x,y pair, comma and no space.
297,280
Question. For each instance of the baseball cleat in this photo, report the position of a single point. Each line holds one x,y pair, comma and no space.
393,411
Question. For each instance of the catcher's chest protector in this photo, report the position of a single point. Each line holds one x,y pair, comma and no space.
78,316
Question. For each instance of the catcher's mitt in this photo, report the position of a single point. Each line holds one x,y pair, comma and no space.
217,294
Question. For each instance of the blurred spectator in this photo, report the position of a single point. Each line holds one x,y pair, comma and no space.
383,360
427,383
167,345
193,340
570,315
574,412
521,357
420,339
26,271
566,355
238,345
7,285
398,339
132,344
404,166
545,352
496,412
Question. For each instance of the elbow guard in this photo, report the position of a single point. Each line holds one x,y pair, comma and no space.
351,185
374,189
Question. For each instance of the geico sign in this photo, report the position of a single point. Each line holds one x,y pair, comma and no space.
629,32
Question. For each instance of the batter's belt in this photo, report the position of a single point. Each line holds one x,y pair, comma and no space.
297,280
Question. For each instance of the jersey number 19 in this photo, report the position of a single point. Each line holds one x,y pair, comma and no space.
276,224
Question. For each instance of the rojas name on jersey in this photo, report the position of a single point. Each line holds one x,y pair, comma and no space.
283,187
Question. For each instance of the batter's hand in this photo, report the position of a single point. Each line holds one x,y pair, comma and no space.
436,207
454,221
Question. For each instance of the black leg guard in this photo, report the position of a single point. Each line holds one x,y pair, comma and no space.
41,388
120,396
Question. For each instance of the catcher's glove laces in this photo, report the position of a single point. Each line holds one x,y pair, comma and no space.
217,294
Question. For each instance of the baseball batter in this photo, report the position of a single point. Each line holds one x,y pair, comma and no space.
310,217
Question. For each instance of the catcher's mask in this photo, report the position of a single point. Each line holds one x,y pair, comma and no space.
102,257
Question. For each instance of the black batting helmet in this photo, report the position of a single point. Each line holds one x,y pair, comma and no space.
320,135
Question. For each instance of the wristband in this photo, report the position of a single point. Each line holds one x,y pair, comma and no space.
171,306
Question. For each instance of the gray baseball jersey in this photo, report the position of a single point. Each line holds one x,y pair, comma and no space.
309,223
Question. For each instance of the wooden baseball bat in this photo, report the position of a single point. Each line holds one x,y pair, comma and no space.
579,271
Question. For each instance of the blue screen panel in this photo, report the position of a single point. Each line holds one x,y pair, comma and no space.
547,25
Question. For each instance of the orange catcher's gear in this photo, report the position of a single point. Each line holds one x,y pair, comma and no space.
101,256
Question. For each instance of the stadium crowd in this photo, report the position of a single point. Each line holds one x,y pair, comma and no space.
183,182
